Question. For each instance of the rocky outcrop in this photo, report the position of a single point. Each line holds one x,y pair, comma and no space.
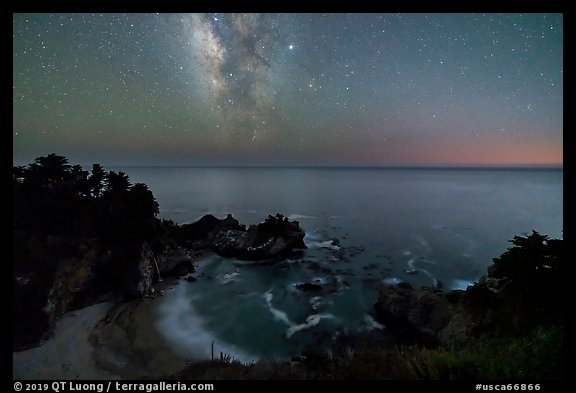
459,330
146,266
73,278
196,234
171,259
430,316
53,275
415,315
275,237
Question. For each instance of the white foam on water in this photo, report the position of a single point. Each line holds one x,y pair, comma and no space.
311,320
229,277
312,236
411,262
278,315
461,283
329,244
392,280
182,328
317,301
371,323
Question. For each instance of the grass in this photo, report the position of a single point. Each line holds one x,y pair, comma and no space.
537,356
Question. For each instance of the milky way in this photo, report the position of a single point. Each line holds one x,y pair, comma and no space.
289,89
238,78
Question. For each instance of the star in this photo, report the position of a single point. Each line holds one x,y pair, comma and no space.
79,76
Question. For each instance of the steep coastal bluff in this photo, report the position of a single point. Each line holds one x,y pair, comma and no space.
82,237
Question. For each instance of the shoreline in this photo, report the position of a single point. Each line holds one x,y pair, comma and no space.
104,341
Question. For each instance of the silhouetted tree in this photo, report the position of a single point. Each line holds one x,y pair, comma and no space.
117,183
142,201
141,210
49,171
45,190
530,280
533,260
78,181
96,180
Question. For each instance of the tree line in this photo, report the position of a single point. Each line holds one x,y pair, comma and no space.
50,196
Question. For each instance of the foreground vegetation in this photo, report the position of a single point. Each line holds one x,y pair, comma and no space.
536,356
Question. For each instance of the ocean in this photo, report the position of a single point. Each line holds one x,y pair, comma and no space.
364,226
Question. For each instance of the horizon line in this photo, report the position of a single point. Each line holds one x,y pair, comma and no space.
343,166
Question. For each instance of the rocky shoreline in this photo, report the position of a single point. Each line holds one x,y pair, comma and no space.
104,341
93,330
88,271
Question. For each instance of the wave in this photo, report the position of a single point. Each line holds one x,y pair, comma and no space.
461,284
311,320
314,240
278,315
392,280
185,330
411,262
329,244
312,236
229,277
372,324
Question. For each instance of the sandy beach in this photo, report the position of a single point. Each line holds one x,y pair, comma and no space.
103,341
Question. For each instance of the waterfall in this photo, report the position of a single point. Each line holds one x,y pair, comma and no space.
156,264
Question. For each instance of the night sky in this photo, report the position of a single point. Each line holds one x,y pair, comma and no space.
289,89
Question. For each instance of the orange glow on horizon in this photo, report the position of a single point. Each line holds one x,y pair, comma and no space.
483,151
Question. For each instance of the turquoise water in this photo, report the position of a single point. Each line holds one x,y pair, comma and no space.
427,227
